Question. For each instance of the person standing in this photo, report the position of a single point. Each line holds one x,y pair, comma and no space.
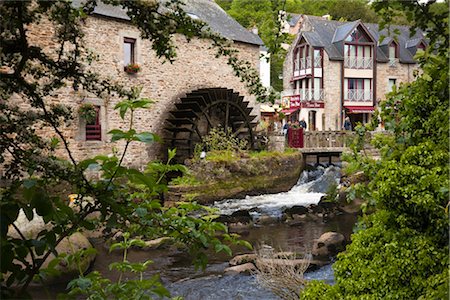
303,123
285,128
347,124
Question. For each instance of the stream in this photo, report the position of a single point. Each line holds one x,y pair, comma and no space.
180,277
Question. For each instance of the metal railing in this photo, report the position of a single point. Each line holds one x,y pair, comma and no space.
358,95
393,62
312,94
318,62
305,63
354,62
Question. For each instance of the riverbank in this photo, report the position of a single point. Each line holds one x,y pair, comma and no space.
225,175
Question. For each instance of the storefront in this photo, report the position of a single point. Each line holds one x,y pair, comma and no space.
359,114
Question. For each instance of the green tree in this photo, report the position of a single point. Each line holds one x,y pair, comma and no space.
401,250
126,198
351,10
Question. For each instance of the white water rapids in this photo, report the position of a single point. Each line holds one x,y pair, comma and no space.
311,186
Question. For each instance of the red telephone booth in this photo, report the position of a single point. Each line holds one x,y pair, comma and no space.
295,137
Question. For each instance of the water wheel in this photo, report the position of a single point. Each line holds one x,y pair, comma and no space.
200,111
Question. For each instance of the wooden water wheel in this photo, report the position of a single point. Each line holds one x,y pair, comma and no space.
200,111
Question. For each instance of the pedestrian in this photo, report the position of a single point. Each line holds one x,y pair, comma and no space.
285,128
347,124
303,123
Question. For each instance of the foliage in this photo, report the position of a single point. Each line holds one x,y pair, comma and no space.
401,250
33,166
132,68
219,139
94,286
87,112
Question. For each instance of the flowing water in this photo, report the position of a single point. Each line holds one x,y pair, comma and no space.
180,277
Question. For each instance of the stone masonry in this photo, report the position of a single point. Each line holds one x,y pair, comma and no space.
195,67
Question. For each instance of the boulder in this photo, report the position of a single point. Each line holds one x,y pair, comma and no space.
240,216
247,269
68,246
242,259
328,245
296,210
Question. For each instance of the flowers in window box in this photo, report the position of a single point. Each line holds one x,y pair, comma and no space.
132,68
88,112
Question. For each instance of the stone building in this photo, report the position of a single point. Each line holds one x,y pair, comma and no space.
110,34
337,69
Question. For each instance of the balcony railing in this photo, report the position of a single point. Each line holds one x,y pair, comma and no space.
312,95
393,62
353,62
318,62
305,63
358,95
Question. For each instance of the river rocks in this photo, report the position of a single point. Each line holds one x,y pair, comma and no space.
296,210
242,259
328,245
246,268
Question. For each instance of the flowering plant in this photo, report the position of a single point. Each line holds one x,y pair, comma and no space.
132,68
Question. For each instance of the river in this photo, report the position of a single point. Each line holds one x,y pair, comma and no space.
180,277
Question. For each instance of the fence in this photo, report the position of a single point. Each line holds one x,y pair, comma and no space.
327,139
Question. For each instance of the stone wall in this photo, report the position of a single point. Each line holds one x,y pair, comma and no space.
195,67
332,85
403,73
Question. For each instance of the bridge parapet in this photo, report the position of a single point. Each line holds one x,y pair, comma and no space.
327,139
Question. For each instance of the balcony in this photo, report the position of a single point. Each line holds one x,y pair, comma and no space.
393,62
354,62
358,95
312,95
318,62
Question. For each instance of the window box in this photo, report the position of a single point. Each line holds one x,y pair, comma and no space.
132,68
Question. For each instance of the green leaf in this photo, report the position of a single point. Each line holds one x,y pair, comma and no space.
145,137
41,202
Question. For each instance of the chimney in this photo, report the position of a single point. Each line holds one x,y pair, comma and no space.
326,17
254,30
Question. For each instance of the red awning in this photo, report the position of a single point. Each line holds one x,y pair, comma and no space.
289,111
360,109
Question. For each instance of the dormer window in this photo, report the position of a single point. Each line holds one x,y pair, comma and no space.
358,50
393,54
421,46
358,36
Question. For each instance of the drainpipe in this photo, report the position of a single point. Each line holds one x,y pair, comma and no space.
342,94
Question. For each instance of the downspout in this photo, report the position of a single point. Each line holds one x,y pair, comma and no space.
342,95
375,65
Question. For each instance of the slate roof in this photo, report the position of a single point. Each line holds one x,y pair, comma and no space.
206,10
330,35
293,19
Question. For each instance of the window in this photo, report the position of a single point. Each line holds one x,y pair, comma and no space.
358,89
393,54
391,83
129,48
421,46
358,36
317,58
94,128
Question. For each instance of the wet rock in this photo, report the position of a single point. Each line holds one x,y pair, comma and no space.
240,216
247,269
328,245
327,206
242,259
358,177
296,210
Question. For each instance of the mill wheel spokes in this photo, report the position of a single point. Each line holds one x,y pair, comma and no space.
204,109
